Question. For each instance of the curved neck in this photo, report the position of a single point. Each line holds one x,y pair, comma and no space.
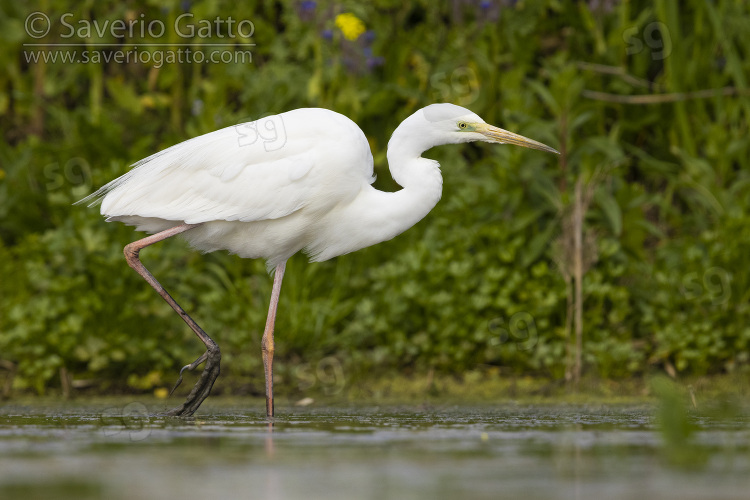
422,189
375,216
405,161
394,213
420,178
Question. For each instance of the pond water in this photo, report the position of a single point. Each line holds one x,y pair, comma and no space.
118,450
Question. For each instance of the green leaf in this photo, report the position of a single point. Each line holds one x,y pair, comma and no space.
610,208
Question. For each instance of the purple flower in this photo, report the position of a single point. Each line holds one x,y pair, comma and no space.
327,34
375,61
306,10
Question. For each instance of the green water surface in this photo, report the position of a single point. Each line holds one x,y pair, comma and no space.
121,451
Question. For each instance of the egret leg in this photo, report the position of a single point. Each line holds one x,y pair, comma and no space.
267,345
212,356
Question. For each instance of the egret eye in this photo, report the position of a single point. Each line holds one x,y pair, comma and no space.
462,125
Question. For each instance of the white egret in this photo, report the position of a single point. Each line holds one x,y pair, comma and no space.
267,189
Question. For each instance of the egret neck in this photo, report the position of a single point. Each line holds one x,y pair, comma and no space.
394,213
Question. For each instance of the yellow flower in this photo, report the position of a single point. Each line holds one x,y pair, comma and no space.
350,25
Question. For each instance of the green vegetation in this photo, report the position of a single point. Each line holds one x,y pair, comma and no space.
487,282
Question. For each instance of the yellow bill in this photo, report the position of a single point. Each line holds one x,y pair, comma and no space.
501,136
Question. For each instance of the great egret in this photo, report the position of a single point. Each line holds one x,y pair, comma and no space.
296,181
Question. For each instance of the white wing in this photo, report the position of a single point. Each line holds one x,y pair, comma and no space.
265,169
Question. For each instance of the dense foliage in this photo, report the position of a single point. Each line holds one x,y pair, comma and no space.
483,282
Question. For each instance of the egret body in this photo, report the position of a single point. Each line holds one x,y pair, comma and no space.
300,180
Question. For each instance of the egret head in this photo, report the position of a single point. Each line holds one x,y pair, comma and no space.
453,124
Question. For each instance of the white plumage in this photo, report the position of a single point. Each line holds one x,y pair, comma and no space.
255,202
298,180
270,188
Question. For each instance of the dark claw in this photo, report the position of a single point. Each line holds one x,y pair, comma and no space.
192,366
202,388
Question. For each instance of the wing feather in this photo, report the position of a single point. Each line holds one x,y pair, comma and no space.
259,170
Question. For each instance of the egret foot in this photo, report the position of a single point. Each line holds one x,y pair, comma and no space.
192,366
212,356
202,388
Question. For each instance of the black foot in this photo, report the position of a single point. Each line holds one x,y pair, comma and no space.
202,388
